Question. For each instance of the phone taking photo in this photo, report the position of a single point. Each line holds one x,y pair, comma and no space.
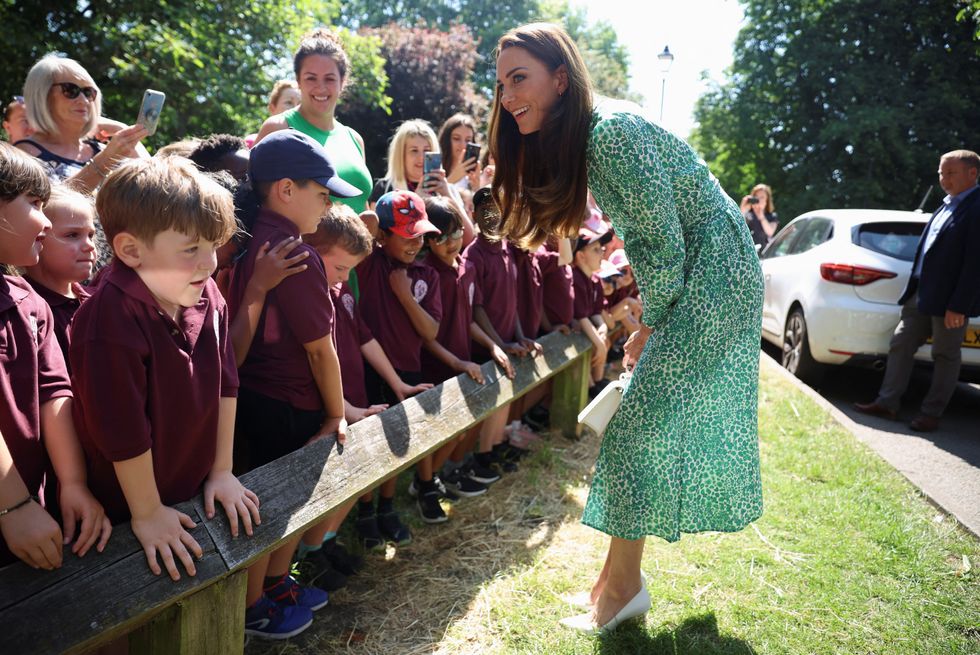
432,161
472,152
150,109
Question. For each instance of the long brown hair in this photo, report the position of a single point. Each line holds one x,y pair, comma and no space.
446,136
541,181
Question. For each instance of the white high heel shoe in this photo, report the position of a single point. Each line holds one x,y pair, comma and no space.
638,606
583,599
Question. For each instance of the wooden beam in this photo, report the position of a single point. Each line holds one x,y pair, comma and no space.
569,394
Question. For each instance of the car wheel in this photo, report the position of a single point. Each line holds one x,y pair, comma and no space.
796,348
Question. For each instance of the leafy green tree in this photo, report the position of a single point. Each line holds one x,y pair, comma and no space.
215,61
842,103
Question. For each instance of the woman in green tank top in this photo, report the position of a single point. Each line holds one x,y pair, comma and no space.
321,67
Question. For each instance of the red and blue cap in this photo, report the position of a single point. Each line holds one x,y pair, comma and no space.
403,213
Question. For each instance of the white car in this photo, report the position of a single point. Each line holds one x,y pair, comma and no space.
833,278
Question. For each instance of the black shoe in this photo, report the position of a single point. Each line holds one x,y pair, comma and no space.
464,484
317,569
341,559
597,388
481,474
391,526
413,489
512,453
429,508
499,462
537,418
367,529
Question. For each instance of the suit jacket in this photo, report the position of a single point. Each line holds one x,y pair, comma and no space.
950,278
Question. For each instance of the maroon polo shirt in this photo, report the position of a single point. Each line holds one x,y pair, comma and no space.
63,309
350,332
557,289
32,372
457,287
589,300
622,293
530,290
496,283
384,314
297,311
146,382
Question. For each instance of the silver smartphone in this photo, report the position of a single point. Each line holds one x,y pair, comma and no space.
150,110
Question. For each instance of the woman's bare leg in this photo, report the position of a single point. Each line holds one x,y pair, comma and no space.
623,580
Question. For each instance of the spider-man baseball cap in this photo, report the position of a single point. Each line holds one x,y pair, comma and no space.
292,154
403,213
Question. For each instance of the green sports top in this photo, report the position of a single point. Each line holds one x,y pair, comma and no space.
345,154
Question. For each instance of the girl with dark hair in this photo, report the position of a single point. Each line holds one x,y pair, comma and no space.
681,454
455,133
322,73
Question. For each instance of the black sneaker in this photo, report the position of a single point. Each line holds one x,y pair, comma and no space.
429,508
537,418
392,528
341,559
501,463
481,474
413,489
367,529
511,453
317,569
464,484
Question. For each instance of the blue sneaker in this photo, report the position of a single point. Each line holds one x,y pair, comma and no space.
268,620
289,592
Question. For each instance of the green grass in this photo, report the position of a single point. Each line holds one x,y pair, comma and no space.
848,558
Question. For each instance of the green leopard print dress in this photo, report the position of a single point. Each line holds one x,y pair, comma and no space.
682,452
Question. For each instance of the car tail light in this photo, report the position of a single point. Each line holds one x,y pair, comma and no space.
856,275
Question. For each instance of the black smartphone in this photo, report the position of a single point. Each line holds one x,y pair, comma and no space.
753,200
472,152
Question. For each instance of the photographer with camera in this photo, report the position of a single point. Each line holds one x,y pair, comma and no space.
760,214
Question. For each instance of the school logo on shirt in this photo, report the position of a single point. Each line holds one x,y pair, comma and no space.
472,292
348,302
419,290
217,330
33,322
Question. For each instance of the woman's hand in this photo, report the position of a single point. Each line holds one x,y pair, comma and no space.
634,346
122,145
436,183
486,176
461,169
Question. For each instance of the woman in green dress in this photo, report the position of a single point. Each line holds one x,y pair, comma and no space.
681,454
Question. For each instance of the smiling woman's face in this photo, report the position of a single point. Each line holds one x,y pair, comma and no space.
527,89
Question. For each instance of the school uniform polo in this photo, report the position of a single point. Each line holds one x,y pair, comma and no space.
32,373
297,311
384,314
622,293
496,281
144,381
350,333
589,300
557,289
63,309
457,286
530,291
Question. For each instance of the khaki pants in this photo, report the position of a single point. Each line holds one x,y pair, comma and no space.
912,331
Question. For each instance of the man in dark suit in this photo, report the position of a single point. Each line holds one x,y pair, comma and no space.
943,291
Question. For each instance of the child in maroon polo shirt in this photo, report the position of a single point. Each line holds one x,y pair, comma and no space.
495,311
290,379
37,437
401,303
554,259
68,258
450,352
589,301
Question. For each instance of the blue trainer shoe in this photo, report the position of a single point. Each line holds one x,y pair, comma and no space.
269,620
289,592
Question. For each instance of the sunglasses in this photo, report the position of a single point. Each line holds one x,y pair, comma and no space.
71,90
443,238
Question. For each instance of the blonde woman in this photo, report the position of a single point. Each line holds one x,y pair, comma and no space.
760,215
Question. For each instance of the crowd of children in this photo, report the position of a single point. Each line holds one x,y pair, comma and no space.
248,311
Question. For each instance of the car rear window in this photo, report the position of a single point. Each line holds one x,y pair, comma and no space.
898,240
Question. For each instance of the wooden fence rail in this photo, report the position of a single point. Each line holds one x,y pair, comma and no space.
91,601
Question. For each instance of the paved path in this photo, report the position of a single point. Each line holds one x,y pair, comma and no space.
944,464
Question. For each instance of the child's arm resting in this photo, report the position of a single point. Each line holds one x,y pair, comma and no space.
222,485
30,532
326,371
77,502
161,530
379,361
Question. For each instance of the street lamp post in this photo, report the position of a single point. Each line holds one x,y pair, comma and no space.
666,59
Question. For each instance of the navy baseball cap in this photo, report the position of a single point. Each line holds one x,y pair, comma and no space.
292,154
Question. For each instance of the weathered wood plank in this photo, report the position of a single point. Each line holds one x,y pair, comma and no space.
96,599
299,489
208,622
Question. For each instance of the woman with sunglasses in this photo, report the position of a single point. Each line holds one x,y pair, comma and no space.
64,106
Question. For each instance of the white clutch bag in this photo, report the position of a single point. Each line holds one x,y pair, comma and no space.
600,411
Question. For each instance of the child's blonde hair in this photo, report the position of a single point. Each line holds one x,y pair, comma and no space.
145,197
64,197
396,151
341,227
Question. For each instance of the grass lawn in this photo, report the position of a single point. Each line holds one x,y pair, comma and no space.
848,558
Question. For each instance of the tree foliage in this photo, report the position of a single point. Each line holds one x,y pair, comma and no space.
215,61
430,77
842,103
